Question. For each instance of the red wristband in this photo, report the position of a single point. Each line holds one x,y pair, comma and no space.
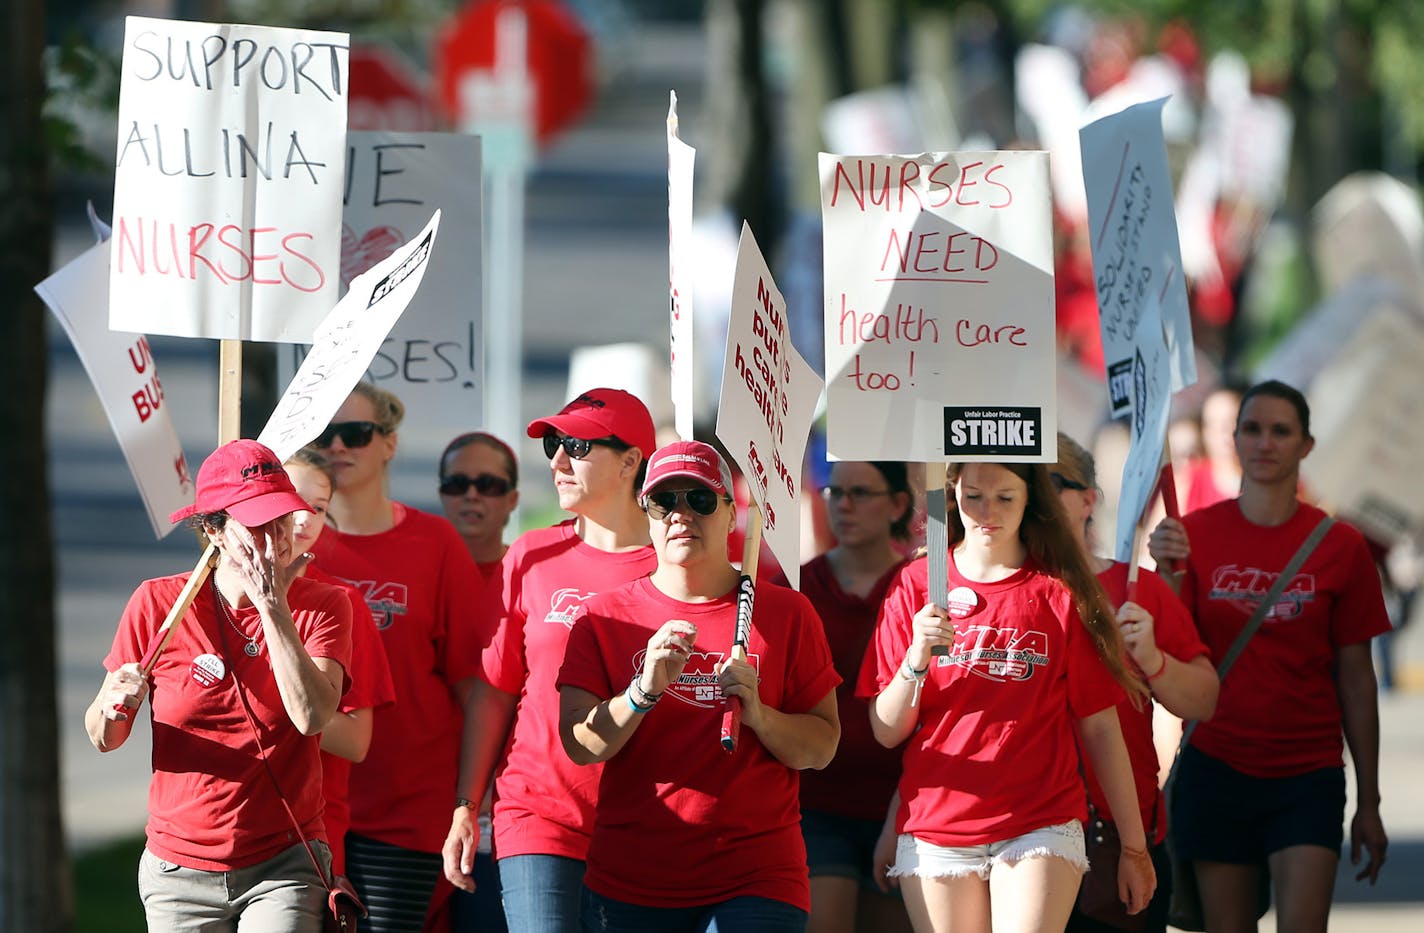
1161,670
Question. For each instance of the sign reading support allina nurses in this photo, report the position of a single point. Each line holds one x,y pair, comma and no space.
227,190
939,313
767,402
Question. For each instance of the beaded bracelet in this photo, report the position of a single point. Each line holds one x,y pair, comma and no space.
649,700
633,704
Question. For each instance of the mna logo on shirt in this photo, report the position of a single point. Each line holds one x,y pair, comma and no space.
566,605
1245,587
385,600
998,654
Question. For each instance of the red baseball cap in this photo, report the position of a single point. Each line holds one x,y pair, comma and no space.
246,480
600,413
692,459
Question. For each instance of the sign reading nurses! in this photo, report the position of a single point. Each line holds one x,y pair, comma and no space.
1136,254
227,190
768,400
939,307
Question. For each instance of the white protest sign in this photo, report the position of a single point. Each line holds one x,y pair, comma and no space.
433,358
1325,331
1134,240
1151,410
227,190
125,376
939,313
681,278
346,342
767,403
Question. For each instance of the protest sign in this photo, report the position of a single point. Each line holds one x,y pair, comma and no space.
681,158
227,187
939,307
767,402
1315,342
346,342
1134,239
433,358
1151,397
125,376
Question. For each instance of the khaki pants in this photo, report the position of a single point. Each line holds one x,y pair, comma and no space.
281,895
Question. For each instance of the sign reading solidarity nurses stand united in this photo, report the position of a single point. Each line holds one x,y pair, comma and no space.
768,400
939,307
1136,254
227,191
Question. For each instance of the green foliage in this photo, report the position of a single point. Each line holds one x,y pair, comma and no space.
81,81
106,889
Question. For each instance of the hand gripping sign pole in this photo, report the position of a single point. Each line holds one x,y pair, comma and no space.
937,539
746,601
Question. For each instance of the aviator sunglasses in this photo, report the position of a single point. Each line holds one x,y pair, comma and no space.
486,484
352,433
699,499
576,447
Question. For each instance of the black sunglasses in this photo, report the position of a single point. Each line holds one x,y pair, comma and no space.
352,433
576,447
699,499
486,484
1061,482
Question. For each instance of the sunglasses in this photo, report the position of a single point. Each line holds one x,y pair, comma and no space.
576,447
1061,482
352,433
486,484
699,499
856,494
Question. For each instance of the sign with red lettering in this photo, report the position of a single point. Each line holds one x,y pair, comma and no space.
125,376
939,307
433,358
1136,255
227,188
768,401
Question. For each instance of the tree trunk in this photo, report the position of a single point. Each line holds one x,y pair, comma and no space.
34,870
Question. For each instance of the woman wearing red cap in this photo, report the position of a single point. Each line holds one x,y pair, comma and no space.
423,590
257,641
543,811
688,837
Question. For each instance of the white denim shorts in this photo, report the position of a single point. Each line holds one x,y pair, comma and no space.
923,859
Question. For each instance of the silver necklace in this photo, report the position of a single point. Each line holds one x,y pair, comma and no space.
250,649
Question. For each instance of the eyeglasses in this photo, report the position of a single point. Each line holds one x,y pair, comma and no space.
699,499
486,484
352,433
856,494
576,447
1061,482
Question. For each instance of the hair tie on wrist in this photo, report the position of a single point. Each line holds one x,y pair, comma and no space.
1161,670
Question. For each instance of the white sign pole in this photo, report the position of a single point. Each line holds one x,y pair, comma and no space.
681,159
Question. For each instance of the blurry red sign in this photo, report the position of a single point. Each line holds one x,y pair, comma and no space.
387,93
559,60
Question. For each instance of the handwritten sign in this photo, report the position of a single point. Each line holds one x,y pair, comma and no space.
346,342
1151,409
227,190
1134,240
125,376
939,307
681,158
433,358
768,400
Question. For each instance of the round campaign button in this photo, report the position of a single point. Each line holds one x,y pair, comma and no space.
208,669
962,601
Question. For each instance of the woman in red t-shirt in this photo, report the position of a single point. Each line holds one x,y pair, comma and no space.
1163,648
1264,780
992,804
843,807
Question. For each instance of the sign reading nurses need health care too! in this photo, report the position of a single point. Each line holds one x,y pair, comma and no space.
939,307
768,399
1136,254
227,191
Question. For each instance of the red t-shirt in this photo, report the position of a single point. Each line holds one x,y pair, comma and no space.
710,826
860,780
1175,635
211,803
1278,714
423,590
543,801
370,687
994,756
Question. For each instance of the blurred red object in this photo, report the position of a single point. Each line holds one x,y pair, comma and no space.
387,92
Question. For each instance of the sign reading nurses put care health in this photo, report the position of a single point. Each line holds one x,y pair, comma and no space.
939,307
1136,253
227,190
768,400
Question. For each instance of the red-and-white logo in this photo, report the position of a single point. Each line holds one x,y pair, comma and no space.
1245,587
697,685
385,600
566,605
998,654
208,669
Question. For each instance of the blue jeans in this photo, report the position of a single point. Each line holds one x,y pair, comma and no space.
541,893
737,915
